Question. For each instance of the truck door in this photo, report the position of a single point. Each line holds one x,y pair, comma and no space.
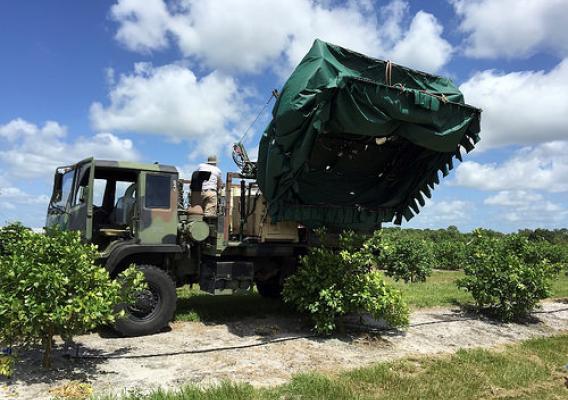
58,209
157,199
81,201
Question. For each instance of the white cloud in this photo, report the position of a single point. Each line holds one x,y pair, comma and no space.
34,151
143,24
16,195
19,128
6,205
526,208
520,107
538,215
513,198
513,28
16,204
423,46
392,16
249,35
446,212
542,167
171,101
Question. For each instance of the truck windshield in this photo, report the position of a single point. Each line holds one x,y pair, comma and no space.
66,186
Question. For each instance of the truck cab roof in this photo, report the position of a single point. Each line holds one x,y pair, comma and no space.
155,167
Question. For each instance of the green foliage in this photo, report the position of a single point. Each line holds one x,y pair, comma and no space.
506,276
50,285
6,365
553,236
331,282
554,245
557,254
450,254
403,257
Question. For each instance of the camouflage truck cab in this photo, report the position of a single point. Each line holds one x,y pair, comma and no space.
108,199
129,210
137,214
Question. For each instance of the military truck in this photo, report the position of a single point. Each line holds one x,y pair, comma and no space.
353,142
144,214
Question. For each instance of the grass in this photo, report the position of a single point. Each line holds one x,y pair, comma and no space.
438,290
560,286
529,370
195,305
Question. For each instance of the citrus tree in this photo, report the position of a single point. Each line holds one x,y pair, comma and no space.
506,275
334,280
402,256
51,285
450,254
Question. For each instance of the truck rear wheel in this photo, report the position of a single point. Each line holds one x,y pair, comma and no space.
154,307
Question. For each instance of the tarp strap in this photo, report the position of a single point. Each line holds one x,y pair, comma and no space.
388,73
274,94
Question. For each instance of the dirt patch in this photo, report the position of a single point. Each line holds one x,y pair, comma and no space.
263,352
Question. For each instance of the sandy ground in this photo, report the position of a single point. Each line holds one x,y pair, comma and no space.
263,352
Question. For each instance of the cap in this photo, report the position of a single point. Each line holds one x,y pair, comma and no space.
212,160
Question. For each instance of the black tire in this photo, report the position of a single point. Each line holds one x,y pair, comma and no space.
154,308
271,288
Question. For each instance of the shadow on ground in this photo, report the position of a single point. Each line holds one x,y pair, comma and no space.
65,365
211,309
253,315
244,315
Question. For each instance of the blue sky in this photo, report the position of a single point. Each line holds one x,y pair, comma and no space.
173,81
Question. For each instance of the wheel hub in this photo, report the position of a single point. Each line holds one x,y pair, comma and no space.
146,303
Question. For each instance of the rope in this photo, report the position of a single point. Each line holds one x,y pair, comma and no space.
399,86
388,81
274,94
442,97
388,73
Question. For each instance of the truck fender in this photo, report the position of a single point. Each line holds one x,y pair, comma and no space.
119,254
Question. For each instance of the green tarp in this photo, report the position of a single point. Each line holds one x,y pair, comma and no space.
356,141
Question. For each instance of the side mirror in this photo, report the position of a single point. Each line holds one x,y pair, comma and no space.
83,194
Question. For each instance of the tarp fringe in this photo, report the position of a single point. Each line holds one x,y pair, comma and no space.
435,178
408,214
420,199
458,154
414,206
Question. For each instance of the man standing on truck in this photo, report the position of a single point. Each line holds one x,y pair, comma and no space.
211,186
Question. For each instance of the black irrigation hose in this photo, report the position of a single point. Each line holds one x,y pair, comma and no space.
198,351
441,321
458,320
550,312
265,343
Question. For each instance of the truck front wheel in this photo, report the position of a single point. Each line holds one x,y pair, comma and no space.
154,307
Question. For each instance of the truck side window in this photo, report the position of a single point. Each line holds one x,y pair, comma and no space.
83,175
99,192
157,191
66,188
